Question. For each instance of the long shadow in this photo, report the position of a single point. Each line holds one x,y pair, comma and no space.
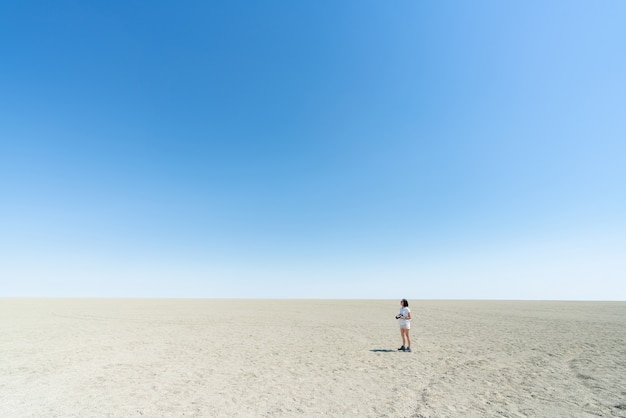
383,351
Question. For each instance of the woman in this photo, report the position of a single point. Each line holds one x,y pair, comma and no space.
404,319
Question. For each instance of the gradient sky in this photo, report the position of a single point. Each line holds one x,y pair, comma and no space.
313,149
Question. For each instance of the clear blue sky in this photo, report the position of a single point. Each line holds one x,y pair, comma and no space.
313,149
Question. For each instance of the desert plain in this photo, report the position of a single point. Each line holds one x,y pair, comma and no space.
275,358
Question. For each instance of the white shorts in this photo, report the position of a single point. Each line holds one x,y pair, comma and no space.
404,324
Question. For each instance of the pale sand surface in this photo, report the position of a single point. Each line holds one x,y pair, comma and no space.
121,358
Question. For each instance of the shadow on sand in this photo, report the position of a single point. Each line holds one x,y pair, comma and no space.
383,351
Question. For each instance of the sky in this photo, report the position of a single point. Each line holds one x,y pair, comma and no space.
313,149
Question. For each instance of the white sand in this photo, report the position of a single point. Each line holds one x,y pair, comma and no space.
129,357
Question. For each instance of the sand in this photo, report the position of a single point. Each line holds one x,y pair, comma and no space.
133,357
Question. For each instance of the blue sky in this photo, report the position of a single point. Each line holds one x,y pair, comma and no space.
321,149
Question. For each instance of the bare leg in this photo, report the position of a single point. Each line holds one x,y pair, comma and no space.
408,337
404,339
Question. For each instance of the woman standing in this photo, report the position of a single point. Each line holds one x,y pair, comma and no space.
404,319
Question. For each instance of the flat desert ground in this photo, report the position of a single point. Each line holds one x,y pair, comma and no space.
202,357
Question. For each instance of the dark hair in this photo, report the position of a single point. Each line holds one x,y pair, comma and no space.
405,303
